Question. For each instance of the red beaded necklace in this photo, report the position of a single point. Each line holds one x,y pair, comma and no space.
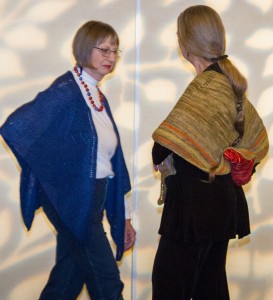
90,98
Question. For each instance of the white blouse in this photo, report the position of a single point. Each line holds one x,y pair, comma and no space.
107,139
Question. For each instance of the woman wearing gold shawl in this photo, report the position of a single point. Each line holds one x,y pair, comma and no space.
214,138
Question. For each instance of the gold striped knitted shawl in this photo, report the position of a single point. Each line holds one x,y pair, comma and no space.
201,125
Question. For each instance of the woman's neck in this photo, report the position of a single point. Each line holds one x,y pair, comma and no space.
199,63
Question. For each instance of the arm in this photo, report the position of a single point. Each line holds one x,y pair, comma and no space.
159,153
130,235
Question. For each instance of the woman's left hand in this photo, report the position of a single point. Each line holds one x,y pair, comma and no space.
130,235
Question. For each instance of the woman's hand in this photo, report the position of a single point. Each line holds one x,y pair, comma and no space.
158,167
130,235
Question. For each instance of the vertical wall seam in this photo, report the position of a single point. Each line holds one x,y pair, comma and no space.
136,144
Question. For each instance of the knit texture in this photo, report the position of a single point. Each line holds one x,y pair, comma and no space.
201,125
55,142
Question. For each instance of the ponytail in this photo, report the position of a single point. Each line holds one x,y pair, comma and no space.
239,85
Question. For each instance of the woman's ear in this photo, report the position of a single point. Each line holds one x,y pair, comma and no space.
184,52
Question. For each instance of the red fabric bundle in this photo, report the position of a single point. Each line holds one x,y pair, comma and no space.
241,168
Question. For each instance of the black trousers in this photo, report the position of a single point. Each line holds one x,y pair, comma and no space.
190,270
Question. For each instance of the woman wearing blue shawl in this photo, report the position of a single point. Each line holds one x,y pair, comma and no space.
69,150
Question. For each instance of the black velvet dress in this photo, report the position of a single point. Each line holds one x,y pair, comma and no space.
197,222
196,210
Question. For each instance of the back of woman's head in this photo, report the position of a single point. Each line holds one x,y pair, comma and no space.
201,32
90,35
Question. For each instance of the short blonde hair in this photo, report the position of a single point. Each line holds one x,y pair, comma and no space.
88,36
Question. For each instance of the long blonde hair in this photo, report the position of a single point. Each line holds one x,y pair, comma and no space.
202,33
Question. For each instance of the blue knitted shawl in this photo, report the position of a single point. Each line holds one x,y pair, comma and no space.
55,142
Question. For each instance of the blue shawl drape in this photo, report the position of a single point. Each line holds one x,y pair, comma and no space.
54,140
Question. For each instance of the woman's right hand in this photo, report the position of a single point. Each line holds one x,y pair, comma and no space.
156,168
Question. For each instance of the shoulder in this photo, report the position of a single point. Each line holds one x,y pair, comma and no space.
63,90
211,93
212,85
210,80
63,84
59,97
63,80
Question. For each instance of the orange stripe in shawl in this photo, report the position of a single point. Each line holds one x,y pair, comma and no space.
186,155
261,137
191,141
222,170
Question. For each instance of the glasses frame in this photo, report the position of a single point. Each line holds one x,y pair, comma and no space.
106,52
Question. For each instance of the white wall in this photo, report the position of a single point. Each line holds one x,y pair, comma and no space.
35,48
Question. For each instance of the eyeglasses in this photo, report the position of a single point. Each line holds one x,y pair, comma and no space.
106,52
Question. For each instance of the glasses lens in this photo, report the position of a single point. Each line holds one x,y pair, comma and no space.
106,52
117,53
